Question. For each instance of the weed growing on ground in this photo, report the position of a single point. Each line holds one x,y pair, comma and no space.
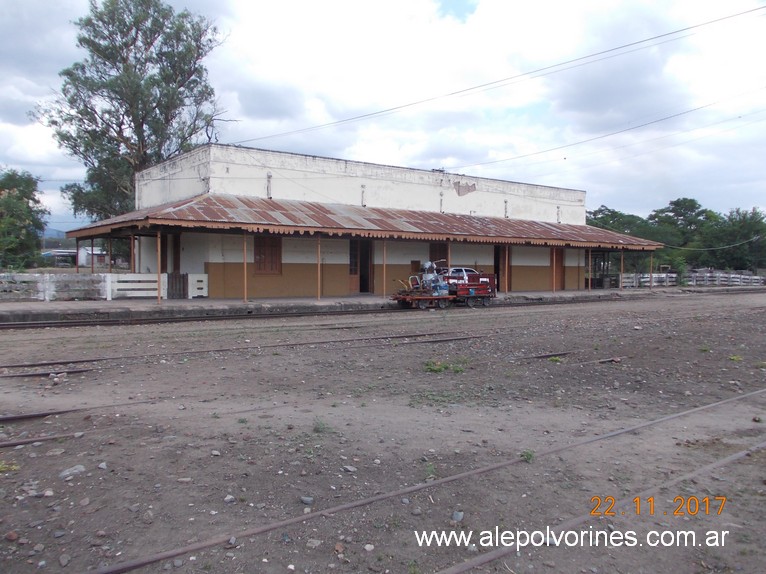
8,466
436,366
436,398
527,455
458,366
321,427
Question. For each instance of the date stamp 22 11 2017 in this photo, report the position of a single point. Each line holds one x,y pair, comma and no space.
681,506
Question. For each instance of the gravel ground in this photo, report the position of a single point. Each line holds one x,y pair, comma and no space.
327,444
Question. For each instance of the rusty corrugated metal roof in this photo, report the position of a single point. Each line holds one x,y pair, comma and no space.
219,211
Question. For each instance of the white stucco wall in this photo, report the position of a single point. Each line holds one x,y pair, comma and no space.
304,250
574,257
260,173
530,256
194,252
178,178
199,248
400,252
472,255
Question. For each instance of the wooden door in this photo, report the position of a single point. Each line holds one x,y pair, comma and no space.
557,269
353,266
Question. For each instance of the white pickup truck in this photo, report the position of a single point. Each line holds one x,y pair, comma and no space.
462,275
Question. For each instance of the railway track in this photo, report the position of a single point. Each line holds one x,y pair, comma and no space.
431,337
494,323
211,316
468,565
148,320
365,341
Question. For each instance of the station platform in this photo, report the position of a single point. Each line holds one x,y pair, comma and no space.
136,310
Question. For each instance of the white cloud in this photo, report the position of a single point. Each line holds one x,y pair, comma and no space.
31,144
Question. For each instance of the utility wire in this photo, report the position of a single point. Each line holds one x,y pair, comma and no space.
489,85
756,238
656,149
595,138
496,82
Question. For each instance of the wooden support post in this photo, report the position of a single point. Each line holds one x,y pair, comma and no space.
92,257
579,270
590,268
384,268
507,268
77,255
132,254
244,266
651,270
319,267
622,267
159,269
449,255
110,255
553,270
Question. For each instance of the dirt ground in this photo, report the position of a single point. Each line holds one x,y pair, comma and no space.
325,444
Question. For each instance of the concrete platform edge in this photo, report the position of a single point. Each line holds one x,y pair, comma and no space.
138,309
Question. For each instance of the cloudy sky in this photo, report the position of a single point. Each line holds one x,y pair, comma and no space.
637,102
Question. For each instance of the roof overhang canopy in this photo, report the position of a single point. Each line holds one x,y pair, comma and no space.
223,213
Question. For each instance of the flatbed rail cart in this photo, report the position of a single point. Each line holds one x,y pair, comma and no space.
430,290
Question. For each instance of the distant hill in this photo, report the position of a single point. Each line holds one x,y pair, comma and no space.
54,233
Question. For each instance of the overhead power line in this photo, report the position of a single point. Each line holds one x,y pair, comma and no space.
756,238
497,82
594,138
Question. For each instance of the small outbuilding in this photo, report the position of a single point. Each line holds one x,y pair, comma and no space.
260,223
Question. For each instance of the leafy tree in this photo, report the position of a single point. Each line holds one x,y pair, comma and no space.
686,217
614,220
140,96
736,241
627,223
22,219
694,236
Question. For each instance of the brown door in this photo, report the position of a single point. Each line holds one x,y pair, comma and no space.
557,268
360,279
353,266
366,276
502,268
437,254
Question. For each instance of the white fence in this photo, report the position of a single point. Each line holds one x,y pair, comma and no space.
726,279
92,286
706,279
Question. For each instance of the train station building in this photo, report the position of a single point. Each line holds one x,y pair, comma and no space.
258,223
